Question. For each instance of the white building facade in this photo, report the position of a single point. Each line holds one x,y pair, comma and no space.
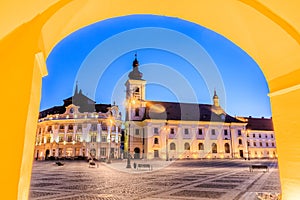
64,132
171,130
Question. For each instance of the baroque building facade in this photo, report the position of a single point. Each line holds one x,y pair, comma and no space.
79,129
172,130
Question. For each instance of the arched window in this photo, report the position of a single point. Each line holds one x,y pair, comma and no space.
172,146
227,149
214,148
155,140
200,146
240,141
187,146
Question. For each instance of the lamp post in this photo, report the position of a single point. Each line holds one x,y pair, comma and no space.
110,121
128,148
132,101
167,135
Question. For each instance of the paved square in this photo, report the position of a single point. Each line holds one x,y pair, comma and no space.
184,179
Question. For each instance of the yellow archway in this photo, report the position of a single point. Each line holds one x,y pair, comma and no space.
267,31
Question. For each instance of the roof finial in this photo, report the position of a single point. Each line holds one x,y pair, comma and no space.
135,62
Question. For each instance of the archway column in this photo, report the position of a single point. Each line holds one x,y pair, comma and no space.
285,109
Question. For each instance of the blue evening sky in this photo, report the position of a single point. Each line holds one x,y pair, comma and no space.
181,61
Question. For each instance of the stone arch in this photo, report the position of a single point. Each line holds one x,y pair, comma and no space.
137,153
38,27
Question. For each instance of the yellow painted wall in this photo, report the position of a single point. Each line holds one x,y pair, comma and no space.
267,30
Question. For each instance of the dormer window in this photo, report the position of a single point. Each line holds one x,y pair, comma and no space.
137,112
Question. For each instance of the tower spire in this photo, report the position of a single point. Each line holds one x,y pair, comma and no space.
135,62
135,73
76,88
216,99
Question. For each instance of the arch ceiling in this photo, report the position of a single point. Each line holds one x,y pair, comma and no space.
267,30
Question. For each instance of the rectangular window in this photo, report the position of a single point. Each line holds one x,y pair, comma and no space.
104,127
260,144
254,144
137,131
155,130
137,112
79,128
273,144
49,129
172,131
213,132
102,151
60,152
94,127
248,143
69,138
200,131
186,131
259,135
61,138
48,139
267,144
78,138
225,132
103,138
93,138
266,136
239,132
254,135
272,136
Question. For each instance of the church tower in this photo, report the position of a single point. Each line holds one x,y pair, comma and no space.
216,99
135,93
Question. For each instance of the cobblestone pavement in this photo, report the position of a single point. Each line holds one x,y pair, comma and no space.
188,179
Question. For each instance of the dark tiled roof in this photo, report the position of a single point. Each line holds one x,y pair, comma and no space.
53,110
185,111
265,124
86,105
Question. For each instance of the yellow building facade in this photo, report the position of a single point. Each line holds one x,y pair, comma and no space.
176,130
267,30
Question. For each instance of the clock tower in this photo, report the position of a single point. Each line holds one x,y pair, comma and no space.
135,93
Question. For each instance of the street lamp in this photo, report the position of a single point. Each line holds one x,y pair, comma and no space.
132,101
110,121
128,148
166,128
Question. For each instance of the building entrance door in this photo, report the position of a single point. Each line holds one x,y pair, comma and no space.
156,154
241,153
47,154
137,152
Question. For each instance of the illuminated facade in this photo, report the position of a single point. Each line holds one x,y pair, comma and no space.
79,129
260,137
170,130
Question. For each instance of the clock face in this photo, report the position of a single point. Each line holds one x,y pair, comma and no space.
72,110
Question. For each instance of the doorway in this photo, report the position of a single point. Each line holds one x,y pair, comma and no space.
137,152
241,153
